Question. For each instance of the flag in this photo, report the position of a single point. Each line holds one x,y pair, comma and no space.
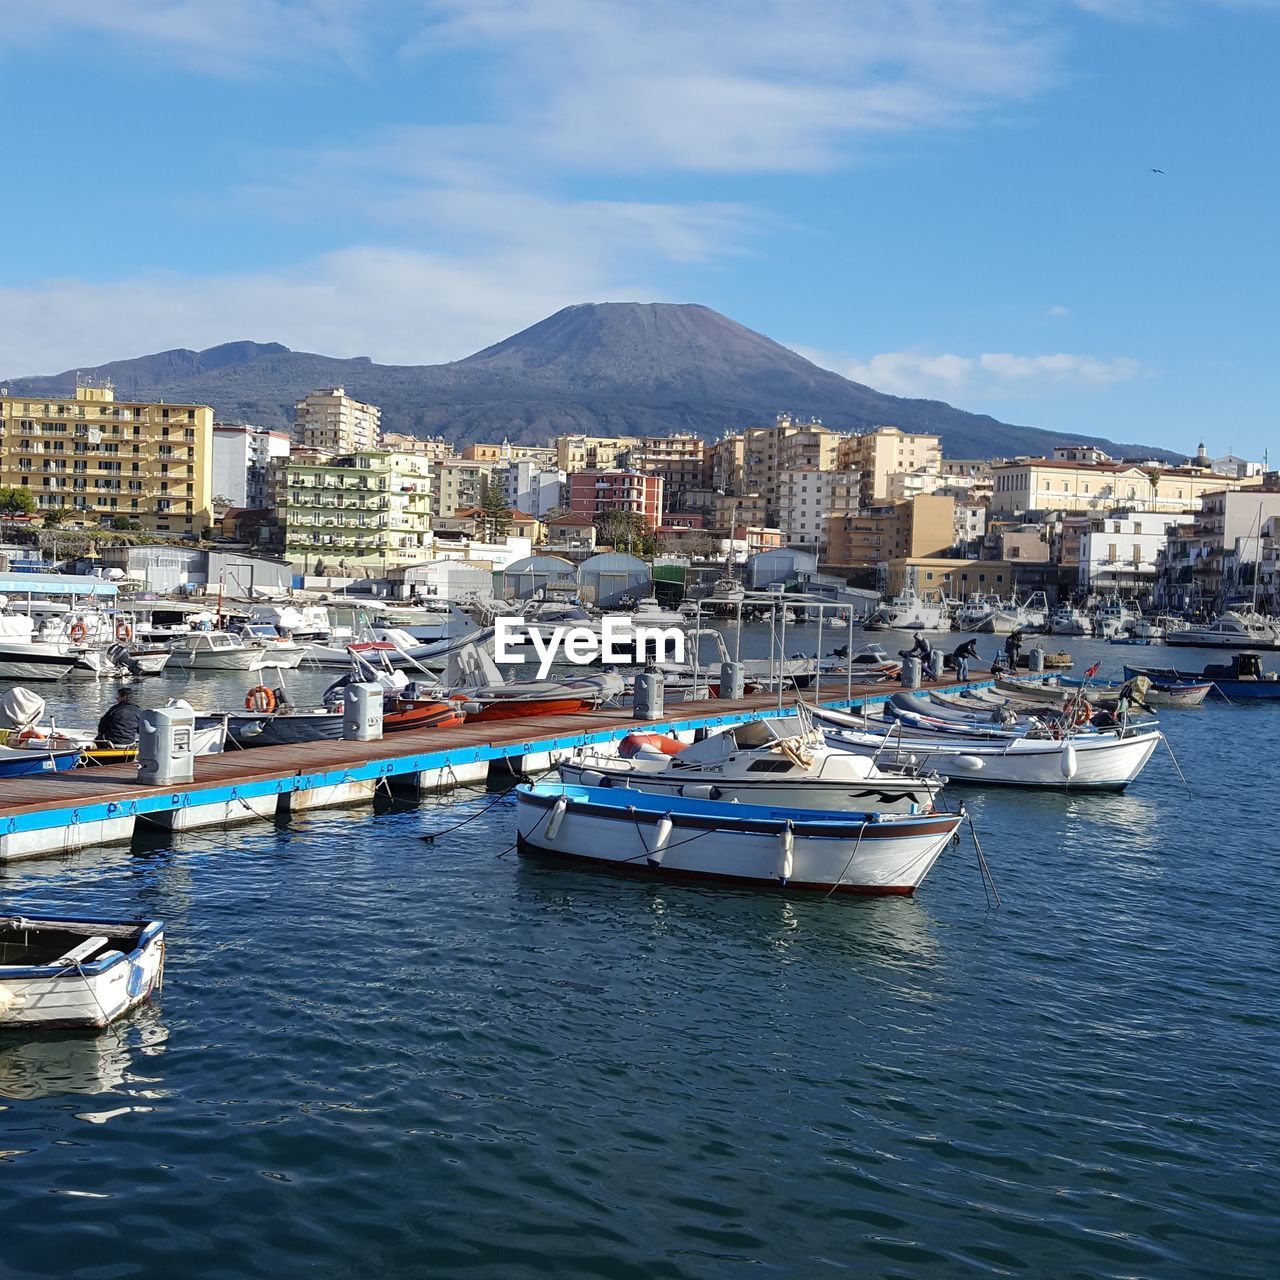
1093,670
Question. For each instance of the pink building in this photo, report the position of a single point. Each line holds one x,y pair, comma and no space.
591,493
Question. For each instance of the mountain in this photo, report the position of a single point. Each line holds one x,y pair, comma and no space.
616,368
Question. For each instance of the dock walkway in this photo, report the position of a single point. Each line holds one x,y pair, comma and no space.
50,813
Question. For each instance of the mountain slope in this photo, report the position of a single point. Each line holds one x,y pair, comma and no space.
602,368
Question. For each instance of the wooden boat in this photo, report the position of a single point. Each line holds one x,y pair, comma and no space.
772,762
82,972
1243,680
684,838
1155,693
23,761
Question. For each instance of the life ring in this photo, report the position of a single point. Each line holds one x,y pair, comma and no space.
78,632
124,632
260,699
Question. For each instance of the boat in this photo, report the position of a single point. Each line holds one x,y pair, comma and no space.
781,761
57,971
1242,680
34,758
649,613
1115,617
216,651
281,651
908,612
1066,620
1095,761
1154,693
1235,629
475,684
679,837
1005,619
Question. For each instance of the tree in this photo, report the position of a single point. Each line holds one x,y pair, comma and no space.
17,501
625,531
494,512
54,517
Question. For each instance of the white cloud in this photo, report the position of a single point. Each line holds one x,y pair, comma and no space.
1057,311
990,376
395,306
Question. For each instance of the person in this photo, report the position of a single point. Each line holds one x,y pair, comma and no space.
120,726
922,649
1013,647
964,655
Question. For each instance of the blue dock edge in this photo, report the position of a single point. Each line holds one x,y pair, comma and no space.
162,800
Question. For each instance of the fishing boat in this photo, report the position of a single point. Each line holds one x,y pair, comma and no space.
908,612
1235,629
1154,693
781,761
82,972
683,838
1242,680
1005,619
1066,620
1094,761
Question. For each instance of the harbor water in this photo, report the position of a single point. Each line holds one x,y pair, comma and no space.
376,1056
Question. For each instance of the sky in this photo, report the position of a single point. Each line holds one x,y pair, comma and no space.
947,198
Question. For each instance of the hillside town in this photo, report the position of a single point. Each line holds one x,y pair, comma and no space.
339,501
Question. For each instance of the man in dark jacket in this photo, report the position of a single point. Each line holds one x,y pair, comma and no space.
964,655
119,727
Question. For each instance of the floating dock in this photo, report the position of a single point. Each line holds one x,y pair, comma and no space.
54,813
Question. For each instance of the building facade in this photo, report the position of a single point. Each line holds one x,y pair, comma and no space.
332,421
1119,552
457,484
534,488
594,492
887,451
804,506
242,458
102,461
680,460
874,536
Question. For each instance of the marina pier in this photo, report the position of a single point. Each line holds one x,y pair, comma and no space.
51,813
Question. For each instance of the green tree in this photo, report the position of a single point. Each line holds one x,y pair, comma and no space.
54,517
626,531
17,501
494,511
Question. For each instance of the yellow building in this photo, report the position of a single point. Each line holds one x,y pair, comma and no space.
362,506
103,461
870,538
956,579
592,453
887,451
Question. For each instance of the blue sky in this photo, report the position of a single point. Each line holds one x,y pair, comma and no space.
951,198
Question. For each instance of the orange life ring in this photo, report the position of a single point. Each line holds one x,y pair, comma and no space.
260,699
124,632
78,632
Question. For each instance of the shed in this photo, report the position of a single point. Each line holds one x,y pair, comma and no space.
780,565
609,576
523,579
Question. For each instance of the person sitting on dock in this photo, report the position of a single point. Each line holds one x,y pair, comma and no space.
964,655
120,726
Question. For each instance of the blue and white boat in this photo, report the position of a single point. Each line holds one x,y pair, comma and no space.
677,837
20,762
1243,680
57,971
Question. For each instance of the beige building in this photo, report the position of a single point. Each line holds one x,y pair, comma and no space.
457,484
886,451
590,453
725,464
331,420
680,461
872,537
1061,484
103,461
957,579
369,505
437,448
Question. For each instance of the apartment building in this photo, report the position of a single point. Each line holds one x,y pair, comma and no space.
102,461
869,538
956,579
367,505
594,491
805,500
457,484
769,452
335,422
585,453
242,457
1119,552
725,464
680,460
436,448
534,488
1200,552
886,451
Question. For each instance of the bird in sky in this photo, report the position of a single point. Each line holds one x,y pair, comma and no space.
1157,170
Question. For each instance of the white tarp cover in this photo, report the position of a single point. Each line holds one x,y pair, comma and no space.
19,708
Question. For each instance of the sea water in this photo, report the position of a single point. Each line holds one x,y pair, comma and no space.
377,1056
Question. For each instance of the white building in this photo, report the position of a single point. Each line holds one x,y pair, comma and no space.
805,500
535,488
971,522
1118,552
242,457
333,421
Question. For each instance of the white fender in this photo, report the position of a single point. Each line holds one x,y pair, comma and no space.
661,834
590,778
972,763
786,852
698,791
1067,763
560,808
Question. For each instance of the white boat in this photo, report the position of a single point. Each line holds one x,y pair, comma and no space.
670,836
781,761
1004,620
908,612
280,651
1066,620
1115,618
1235,629
1101,761
83,972
975,612
216,651
649,613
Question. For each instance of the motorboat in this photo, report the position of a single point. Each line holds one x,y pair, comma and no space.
58,971
1066,620
23,658
1094,761
24,760
781,761
475,683
649,613
1115,617
217,651
1235,629
719,842
1004,620
1243,679
281,651
908,612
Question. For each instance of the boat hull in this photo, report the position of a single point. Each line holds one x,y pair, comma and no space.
732,844
1224,687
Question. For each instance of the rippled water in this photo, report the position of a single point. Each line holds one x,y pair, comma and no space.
376,1056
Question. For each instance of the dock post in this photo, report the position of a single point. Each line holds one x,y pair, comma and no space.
166,746
732,680
362,713
647,697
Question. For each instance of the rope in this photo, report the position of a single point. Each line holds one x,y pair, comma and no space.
983,868
433,836
1176,765
856,846
106,1021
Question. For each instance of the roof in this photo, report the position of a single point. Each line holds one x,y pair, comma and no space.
55,584
521,517
570,519
1065,464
